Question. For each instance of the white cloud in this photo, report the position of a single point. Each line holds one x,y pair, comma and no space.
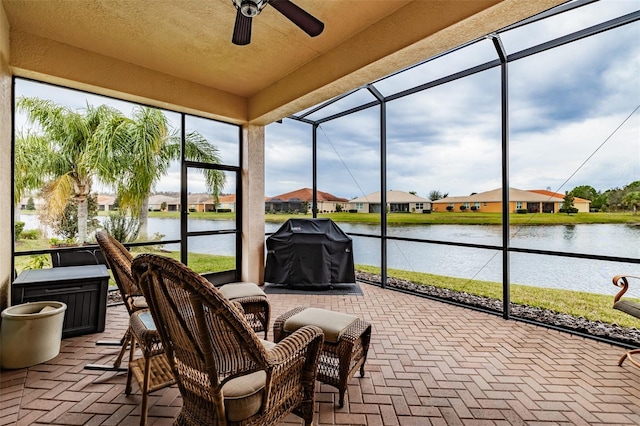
563,104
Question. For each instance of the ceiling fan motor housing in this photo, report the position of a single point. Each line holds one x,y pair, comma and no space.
247,9
250,8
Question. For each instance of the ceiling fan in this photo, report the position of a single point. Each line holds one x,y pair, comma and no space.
247,9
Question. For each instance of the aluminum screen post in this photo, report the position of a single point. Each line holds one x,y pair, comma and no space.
504,94
383,183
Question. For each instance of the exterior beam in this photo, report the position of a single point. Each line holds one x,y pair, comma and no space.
253,204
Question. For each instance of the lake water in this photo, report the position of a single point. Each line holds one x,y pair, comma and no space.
592,276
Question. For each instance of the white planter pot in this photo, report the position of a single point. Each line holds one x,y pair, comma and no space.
31,333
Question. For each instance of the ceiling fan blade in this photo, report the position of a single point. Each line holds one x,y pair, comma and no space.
307,23
242,30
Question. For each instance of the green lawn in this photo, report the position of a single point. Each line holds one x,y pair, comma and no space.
467,218
460,218
484,218
594,307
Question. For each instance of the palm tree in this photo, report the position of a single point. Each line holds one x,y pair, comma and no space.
632,199
68,151
151,148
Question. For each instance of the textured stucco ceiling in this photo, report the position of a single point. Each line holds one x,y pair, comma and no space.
179,53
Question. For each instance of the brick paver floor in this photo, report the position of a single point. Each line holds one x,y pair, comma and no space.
430,363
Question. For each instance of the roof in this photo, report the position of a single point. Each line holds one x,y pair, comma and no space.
158,199
229,198
555,194
392,197
199,199
306,194
495,195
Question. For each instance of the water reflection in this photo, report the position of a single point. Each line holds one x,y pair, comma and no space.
569,231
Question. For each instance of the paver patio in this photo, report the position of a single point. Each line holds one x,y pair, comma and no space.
430,363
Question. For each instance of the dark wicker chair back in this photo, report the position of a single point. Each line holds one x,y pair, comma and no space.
209,342
152,372
119,261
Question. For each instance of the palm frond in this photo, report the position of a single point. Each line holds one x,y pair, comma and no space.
31,152
57,193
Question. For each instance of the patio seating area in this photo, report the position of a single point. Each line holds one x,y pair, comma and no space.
429,363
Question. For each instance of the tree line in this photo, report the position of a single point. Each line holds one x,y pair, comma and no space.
615,199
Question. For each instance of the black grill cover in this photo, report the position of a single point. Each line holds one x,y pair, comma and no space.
309,252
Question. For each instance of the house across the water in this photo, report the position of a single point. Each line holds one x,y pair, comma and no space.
533,201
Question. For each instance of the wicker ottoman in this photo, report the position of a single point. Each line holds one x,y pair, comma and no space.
346,342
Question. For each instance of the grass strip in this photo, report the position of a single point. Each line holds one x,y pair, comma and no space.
442,218
592,306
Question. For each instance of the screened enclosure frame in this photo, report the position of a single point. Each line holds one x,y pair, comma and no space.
502,60
185,165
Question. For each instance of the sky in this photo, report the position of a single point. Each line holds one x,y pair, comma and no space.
571,109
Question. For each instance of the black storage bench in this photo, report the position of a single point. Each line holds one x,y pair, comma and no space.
82,288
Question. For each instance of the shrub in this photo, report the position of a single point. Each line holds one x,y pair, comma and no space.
449,208
569,210
474,208
426,211
17,229
224,210
522,211
353,211
30,204
38,262
30,234
66,223
463,208
122,228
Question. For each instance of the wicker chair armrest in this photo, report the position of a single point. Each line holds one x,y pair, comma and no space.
622,281
285,369
131,296
301,341
238,305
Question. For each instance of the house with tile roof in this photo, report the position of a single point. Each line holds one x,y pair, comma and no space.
172,202
105,202
227,202
301,201
534,201
397,202
583,205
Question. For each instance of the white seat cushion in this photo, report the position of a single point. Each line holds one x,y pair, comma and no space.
267,344
333,324
236,290
243,395
140,302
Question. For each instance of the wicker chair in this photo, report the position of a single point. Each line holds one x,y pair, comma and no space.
119,260
627,306
225,373
152,370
